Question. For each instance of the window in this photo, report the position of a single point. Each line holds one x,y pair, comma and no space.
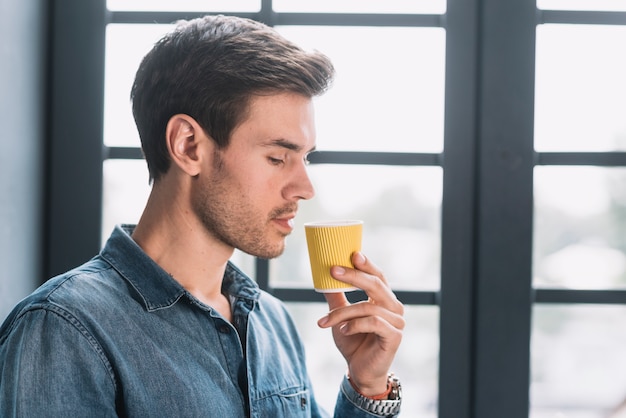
579,256
489,138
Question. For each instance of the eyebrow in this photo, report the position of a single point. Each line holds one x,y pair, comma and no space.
283,143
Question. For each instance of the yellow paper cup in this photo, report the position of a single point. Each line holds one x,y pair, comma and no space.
332,243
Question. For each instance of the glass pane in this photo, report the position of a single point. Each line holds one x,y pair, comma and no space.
414,121
186,5
361,6
416,362
580,227
126,46
580,88
400,207
389,90
125,192
608,5
578,362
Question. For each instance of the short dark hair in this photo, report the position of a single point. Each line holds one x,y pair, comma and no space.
209,68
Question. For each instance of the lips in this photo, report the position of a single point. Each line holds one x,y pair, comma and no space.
285,222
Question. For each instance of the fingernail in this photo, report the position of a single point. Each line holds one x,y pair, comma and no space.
340,271
360,257
323,321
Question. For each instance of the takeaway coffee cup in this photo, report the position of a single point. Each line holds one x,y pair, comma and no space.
332,243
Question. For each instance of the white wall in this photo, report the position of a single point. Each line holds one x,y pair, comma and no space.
22,94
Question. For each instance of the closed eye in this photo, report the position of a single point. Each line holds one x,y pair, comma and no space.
275,161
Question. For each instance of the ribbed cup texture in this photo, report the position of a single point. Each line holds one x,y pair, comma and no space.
331,246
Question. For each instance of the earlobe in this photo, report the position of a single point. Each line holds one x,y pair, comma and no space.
183,136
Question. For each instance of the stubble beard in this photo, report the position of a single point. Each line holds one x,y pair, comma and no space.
229,217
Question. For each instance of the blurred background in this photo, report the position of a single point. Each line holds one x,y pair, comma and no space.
482,142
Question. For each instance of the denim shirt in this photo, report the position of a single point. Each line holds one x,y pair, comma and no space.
119,336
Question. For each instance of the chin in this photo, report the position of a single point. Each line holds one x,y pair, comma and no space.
273,254
266,251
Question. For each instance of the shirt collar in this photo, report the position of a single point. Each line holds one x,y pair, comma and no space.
156,287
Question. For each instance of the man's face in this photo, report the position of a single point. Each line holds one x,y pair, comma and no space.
250,195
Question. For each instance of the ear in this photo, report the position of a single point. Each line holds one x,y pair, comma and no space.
184,139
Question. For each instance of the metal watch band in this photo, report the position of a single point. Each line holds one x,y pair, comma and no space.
384,408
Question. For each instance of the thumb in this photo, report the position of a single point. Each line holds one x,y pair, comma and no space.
336,300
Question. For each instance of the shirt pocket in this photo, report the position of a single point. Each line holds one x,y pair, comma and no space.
290,402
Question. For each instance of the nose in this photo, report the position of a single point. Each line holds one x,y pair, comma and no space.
300,188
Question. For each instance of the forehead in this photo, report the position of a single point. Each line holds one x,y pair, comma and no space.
286,103
286,116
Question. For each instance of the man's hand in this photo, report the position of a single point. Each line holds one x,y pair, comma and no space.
366,333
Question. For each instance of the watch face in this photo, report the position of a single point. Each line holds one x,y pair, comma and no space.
396,388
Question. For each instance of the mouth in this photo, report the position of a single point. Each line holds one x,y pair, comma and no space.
285,223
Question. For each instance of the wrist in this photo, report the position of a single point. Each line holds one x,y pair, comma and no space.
370,394
389,407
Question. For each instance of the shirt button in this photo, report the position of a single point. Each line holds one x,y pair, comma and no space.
224,329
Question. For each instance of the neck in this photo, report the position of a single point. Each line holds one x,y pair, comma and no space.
175,239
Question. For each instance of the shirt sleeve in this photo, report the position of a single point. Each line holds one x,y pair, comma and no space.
50,366
345,408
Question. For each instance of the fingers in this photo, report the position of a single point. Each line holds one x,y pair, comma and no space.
391,334
368,277
362,317
364,264
382,303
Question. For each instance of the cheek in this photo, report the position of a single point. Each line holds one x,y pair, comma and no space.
261,178
255,180
266,189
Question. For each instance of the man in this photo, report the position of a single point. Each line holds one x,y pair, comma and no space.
160,323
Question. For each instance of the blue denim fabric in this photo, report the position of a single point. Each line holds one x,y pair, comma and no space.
119,337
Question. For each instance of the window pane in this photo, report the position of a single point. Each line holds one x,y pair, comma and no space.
404,108
186,5
389,91
126,45
401,209
125,192
415,363
580,88
578,362
580,227
361,6
609,5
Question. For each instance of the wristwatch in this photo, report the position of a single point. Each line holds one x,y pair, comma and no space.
384,407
